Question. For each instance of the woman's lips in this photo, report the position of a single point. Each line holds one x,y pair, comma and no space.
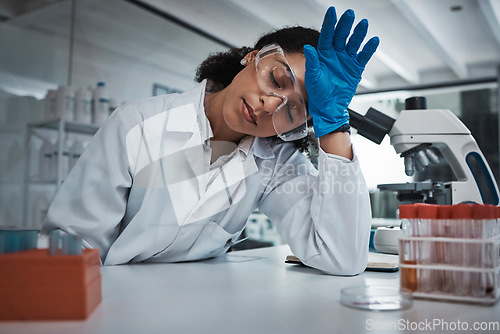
248,113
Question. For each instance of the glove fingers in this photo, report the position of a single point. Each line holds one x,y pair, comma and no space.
343,29
327,29
368,50
312,62
357,37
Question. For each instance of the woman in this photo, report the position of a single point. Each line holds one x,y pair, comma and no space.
175,177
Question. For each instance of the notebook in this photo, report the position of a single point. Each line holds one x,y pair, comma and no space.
376,262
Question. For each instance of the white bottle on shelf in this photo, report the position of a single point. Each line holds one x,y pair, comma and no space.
66,159
91,89
45,160
66,103
51,105
64,155
113,104
76,150
54,161
83,106
101,104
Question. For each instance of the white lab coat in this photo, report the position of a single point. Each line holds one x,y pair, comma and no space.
144,190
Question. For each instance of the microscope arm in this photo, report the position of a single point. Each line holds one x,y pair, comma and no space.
442,130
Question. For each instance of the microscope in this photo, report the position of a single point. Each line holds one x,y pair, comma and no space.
426,138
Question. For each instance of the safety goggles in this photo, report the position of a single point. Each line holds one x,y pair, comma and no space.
275,76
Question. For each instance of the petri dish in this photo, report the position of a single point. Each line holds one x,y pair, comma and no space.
376,298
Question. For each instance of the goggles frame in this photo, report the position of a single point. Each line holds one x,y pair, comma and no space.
302,130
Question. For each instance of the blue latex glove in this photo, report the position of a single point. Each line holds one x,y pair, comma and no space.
333,71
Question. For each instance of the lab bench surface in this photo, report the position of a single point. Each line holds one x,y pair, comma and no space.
251,291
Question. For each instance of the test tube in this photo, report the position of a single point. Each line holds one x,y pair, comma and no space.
494,228
54,237
3,241
408,252
462,216
429,280
28,239
475,259
491,221
445,248
71,244
408,217
483,250
13,241
495,283
423,225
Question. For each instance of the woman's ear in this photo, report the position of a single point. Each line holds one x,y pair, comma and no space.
249,57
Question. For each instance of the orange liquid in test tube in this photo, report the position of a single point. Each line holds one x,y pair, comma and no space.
408,249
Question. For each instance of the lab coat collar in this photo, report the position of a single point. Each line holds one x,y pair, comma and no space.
246,144
192,118
262,148
259,147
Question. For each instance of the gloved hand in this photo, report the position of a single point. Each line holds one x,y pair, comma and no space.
333,71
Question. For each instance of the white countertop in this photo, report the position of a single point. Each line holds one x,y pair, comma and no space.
250,291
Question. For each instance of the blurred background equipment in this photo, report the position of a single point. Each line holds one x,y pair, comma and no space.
64,48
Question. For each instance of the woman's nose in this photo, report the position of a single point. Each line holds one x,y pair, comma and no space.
272,102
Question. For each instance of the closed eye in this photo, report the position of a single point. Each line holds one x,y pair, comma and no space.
289,71
273,80
289,113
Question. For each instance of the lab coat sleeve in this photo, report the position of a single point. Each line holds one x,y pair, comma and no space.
92,200
324,218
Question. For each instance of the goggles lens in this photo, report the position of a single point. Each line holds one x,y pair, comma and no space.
276,78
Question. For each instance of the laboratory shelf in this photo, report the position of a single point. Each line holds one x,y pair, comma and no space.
67,126
42,183
62,128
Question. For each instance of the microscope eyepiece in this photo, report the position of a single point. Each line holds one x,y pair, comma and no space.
373,126
415,103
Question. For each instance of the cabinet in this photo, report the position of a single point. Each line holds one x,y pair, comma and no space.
61,130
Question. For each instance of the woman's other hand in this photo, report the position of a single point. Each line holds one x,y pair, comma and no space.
333,70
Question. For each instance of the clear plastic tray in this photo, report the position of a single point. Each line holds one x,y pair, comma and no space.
376,298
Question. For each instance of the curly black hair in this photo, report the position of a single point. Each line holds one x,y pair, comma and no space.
220,68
